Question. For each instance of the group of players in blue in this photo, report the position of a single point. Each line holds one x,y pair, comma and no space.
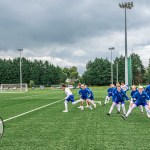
139,97
86,95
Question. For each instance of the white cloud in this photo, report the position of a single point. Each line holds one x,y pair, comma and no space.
79,53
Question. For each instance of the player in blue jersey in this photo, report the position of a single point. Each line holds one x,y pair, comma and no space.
119,96
84,93
134,90
147,90
141,98
109,91
70,97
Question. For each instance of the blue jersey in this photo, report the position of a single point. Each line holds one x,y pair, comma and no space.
133,92
120,96
110,91
91,95
147,90
141,98
113,91
84,93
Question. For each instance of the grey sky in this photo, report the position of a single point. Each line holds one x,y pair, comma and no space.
71,32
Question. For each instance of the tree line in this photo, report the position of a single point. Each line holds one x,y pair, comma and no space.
98,72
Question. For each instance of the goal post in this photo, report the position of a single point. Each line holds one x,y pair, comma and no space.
55,87
14,88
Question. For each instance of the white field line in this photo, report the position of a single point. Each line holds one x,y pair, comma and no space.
31,111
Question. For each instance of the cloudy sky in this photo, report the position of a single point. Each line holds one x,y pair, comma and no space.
71,32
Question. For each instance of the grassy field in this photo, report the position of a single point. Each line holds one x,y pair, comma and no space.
51,129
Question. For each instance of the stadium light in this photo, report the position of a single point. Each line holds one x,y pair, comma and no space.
112,48
125,6
20,50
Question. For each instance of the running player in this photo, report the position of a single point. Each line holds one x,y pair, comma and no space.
140,97
119,96
109,91
134,90
84,93
70,97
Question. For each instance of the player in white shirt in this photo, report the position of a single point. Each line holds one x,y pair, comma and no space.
124,87
70,97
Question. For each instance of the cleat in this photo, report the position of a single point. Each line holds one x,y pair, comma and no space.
79,107
118,112
108,114
65,111
124,117
87,106
90,107
82,108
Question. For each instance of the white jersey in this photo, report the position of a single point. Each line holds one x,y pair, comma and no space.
124,87
68,92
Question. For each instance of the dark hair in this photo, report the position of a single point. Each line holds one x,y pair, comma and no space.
63,85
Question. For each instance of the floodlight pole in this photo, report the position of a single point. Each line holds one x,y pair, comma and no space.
112,48
20,50
117,72
126,6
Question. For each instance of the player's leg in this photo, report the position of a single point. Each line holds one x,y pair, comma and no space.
123,107
112,107
147,110
66,106
91,102
130,110
118,107
141,108
106,100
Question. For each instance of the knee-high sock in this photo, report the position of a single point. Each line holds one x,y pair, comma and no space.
130,110
123,109
118,107
80,100
112,107
141,108
147,110
106,100
66,105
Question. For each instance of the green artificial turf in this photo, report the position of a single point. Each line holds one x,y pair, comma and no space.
51,129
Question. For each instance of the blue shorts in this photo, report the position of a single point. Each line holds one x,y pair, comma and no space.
84,97
119,101
91,97
70,98
140,103
109,94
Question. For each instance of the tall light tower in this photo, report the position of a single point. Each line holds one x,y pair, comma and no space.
20,50
125,6
112,48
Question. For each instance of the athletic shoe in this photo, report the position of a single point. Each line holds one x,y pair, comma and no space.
124,117
86,106
65,111
118,112
108,114
80,107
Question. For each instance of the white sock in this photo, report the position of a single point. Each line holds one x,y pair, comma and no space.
106,100
130,110
112,107
123,109
141,108
66,105
80,100
118,107
147,110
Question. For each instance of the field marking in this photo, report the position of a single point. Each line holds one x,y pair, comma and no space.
31,111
